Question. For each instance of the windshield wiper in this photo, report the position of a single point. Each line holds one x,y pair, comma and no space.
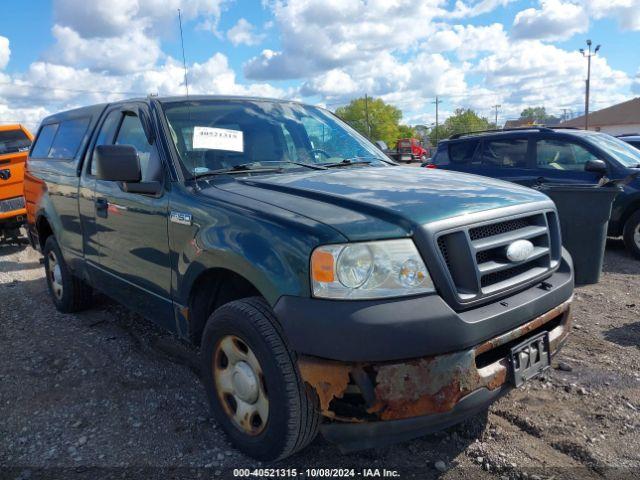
300,164
255,167
241,168
350,161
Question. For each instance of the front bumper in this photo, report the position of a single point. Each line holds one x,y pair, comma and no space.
397,329
13,219
370,404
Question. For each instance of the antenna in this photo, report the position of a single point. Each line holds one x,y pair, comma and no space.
184,62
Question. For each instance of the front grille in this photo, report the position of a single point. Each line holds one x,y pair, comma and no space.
484,231
475,255
11,204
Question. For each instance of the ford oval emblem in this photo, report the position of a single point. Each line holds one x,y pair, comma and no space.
519,250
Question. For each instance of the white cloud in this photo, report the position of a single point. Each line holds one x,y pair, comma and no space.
121,36
321,35
213,76
555,20
412,85
130,52
535,73
242,33
467,40
626,12
5,52
115,17
635,87
473,8
46,88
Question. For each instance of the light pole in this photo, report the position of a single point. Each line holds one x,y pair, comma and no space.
588,55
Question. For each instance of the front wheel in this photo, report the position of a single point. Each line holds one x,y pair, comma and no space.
632,234
254,389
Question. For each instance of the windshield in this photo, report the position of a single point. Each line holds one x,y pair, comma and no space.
13,141
215,135
626,154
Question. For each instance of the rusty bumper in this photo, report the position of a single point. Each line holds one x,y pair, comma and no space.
372,392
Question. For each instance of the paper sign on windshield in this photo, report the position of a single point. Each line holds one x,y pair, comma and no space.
218,139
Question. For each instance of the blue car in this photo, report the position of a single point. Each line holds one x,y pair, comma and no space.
551,155
631,139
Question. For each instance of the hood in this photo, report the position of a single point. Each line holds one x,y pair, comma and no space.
379,202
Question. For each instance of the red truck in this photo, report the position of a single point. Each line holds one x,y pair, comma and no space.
411,150
407,150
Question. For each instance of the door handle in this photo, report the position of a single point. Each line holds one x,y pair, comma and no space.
102,205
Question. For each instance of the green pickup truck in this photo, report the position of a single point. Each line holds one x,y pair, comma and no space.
328,288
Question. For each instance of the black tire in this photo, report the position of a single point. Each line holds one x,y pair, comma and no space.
293,420
631,236
75,295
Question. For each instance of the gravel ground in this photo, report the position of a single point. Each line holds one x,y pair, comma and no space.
105,393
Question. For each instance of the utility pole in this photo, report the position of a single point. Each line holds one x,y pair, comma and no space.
588,55
564,114
437,102
497,107
366,115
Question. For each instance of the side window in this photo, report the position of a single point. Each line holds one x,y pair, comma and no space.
132,133
43,142
505,153
68,138
106,134
463,152
561,155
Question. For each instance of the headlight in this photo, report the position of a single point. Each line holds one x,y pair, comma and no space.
389,268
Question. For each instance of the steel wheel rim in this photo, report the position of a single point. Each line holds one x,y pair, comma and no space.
636,235
55,275
239,383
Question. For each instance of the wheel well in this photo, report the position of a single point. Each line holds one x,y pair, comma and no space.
44,231
212,289
630,210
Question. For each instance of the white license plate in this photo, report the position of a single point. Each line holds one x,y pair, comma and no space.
11,204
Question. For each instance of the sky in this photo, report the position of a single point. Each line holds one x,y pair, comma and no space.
61,54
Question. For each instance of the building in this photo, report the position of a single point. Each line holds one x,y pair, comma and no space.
521,123
615,120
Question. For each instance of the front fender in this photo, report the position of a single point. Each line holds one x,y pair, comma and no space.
268,246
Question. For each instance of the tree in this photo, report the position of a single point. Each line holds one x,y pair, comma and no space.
462,121
538,115
437,134
405,131
384,120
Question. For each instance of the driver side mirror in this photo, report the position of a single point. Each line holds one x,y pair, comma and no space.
117,163
595,166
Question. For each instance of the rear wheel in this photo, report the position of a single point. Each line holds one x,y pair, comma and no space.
632,234
69,293
254,389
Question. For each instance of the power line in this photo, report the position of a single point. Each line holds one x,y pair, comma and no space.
62,89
